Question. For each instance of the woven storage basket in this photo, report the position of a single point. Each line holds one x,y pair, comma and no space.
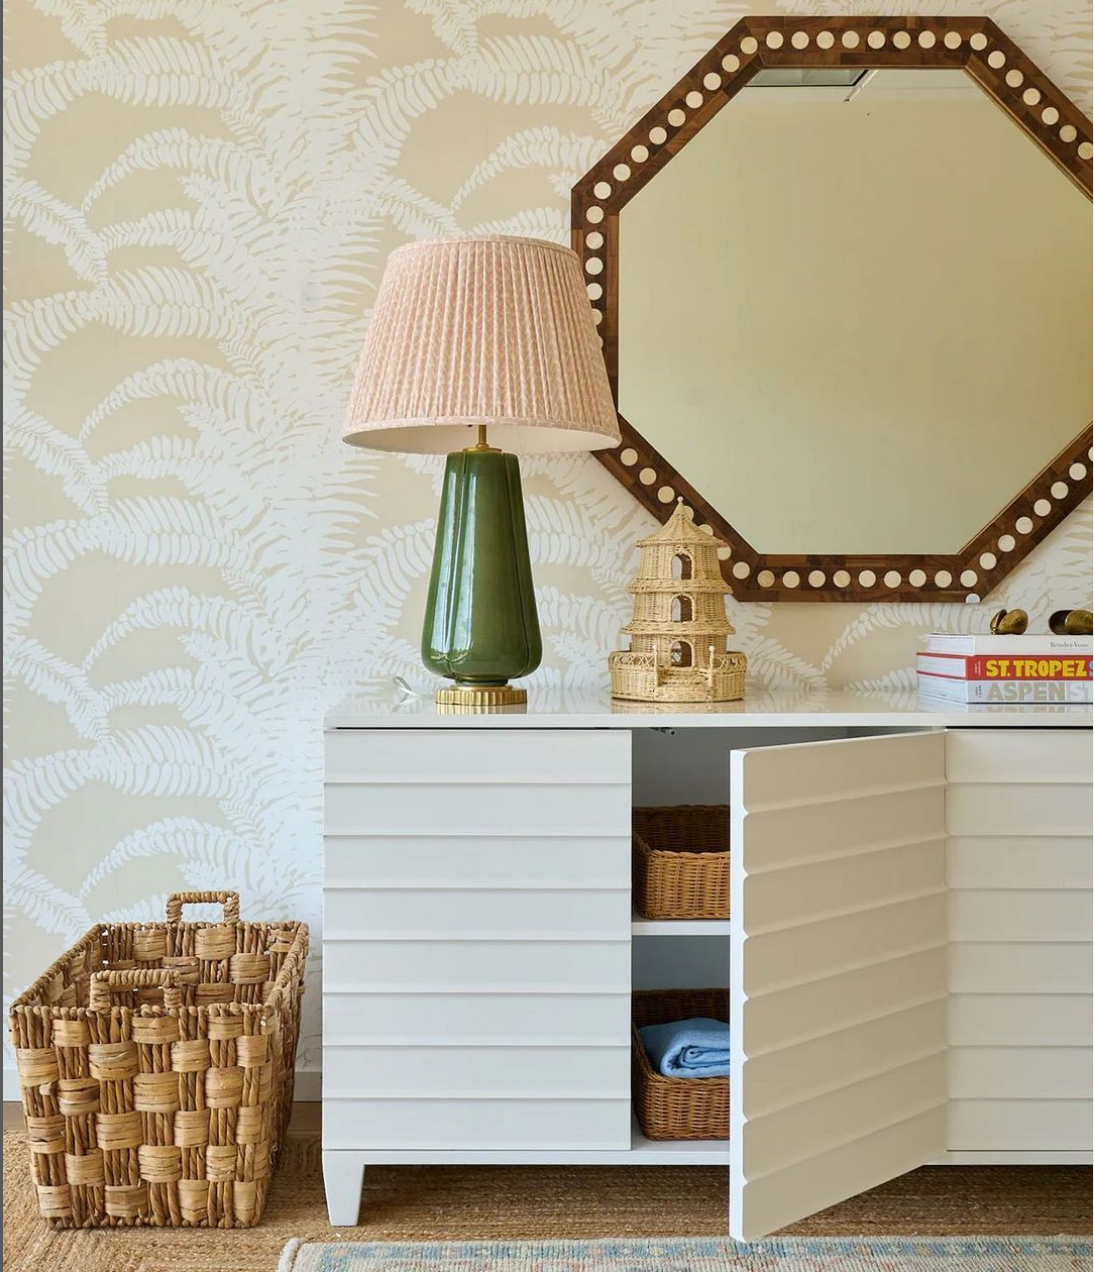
681,861
677,1108
167,1106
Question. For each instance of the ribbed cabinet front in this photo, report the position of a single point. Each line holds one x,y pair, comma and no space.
476,943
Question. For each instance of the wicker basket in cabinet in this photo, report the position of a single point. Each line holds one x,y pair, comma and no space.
681,861
677,1108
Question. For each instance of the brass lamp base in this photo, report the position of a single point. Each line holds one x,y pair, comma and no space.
480,697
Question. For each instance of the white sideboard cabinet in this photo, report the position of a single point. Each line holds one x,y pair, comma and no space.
908,953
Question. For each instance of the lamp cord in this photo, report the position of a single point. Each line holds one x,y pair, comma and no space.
406,691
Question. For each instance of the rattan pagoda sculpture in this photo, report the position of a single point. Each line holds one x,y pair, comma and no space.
678,632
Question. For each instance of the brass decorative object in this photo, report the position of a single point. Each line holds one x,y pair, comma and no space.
1010,622
1076,622
470,697
678,632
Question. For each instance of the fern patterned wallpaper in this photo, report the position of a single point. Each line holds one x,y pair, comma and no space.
199,199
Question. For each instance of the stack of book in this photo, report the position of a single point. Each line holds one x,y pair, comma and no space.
1005,669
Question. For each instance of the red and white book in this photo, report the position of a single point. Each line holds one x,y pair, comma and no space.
1036,665
1014,692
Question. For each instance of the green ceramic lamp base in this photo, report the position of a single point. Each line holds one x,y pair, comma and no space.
481,627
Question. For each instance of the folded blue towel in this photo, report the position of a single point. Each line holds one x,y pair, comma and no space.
697,1048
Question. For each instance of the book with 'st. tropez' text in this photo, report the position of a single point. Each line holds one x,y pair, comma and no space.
1032,666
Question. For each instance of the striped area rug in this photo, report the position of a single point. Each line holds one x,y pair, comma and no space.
785,1254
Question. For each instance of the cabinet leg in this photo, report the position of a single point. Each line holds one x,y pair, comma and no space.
343,1177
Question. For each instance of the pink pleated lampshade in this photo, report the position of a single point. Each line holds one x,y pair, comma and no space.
469,331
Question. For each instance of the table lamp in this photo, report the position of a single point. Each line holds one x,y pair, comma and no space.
479,347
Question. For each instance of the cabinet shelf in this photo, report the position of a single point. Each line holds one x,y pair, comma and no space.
678,927
647,1152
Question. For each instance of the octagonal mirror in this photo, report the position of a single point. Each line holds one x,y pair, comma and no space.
848,318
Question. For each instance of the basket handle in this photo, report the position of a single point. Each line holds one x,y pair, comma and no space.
104,984
229,900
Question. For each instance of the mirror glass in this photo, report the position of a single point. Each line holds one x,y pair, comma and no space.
854,311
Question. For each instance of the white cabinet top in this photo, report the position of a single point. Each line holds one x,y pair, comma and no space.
572,709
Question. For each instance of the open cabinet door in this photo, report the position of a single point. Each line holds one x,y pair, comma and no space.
838,975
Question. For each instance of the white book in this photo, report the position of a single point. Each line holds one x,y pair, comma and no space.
1080,709
986,643
1006,691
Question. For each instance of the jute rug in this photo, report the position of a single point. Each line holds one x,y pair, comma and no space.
430,1204
785,1254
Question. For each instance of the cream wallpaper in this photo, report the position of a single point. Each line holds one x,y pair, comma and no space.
199,200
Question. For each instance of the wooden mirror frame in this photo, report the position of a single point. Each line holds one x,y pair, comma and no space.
1025,94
